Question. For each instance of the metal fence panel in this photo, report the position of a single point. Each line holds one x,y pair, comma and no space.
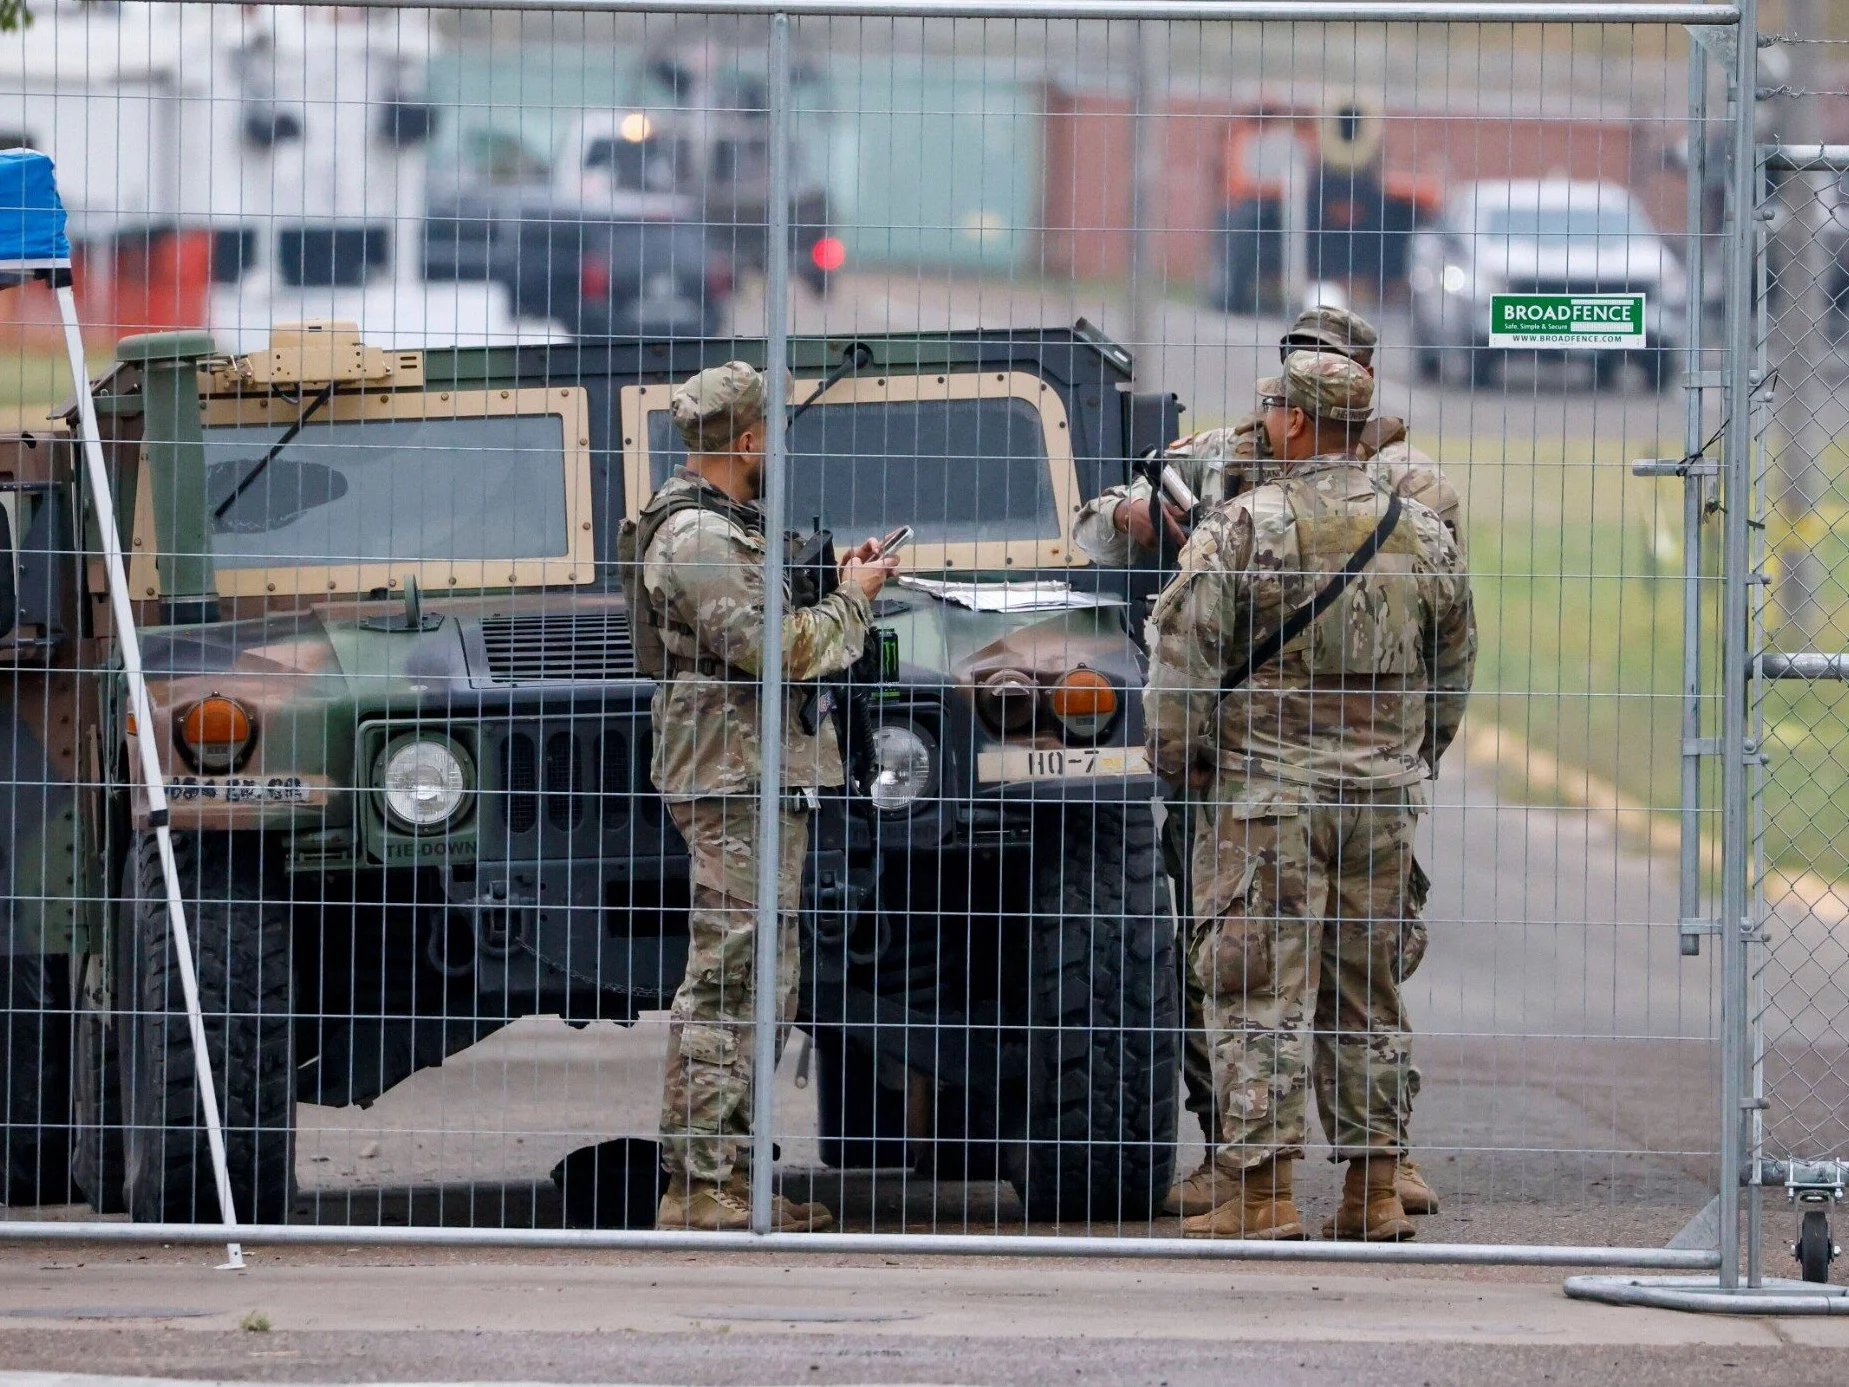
989,256
1797,1132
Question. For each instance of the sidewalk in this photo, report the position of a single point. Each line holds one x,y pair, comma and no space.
755,1319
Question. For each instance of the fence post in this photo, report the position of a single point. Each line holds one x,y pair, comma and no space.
1736,559
770,785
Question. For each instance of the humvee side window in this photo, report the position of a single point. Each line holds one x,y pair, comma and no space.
391,489
459,488
980,466
955,470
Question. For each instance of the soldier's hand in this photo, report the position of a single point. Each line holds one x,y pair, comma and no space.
1171,520
1200,778
869,575
864,552
1132,517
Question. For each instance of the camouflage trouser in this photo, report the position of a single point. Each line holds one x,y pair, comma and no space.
1303,941
706,1096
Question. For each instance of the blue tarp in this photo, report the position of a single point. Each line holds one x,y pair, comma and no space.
31,217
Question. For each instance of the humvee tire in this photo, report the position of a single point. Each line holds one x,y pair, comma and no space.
1099,1137
35,1072
862,1122
240,934
96,1094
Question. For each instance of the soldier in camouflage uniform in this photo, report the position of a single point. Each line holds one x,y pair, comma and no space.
1117,527
1307,782
701,549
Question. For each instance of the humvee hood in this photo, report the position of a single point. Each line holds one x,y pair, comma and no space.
282,643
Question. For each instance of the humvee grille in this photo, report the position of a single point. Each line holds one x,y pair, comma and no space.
558,648
555,779
520,773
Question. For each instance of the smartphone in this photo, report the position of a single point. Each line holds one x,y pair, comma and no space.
895,541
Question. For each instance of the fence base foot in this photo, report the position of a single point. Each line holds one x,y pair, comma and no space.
1774,1296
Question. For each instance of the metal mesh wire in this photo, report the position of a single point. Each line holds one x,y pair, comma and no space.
442,909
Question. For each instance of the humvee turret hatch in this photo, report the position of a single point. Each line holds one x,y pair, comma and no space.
408,752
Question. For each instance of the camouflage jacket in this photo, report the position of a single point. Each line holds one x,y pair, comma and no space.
704,574
1369,696
1217,464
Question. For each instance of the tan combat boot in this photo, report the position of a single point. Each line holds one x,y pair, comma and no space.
1371,1210
1258,1205
1201,1192
1416,1197
702,1206
786,1215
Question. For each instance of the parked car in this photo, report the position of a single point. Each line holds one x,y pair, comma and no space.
628,261
1541,236
406,746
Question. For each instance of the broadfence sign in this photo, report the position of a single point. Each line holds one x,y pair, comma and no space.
1569,322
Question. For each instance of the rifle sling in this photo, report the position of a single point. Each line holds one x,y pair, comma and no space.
1299,621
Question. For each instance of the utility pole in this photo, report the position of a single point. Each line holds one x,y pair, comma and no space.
1799,347
1148,97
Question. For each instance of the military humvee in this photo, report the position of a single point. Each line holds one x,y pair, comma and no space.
407,751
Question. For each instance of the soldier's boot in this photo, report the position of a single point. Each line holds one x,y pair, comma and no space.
1371,1210
1203,1191
1416,1197
786,1215
702,1206
1260,1206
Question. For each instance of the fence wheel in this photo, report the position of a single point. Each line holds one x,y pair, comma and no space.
1815,1251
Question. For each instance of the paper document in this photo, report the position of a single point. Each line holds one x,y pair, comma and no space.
1011,597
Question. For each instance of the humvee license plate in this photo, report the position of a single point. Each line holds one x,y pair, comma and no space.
247,789
1059,763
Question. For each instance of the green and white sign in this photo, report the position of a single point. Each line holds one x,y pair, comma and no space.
1570,322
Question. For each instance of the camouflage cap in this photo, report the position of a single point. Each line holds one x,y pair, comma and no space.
1325,385
1323,326
714,407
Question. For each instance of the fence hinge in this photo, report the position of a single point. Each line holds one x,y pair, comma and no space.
1701,746
1675,467
1704,380
1693,928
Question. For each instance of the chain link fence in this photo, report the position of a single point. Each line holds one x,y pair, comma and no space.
387,309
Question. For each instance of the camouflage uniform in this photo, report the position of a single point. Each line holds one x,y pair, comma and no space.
703,572
1217,464
1302,860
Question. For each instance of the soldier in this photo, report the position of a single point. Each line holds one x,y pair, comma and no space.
1118,527
700,545
1305,767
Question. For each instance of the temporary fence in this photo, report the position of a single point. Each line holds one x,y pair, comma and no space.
387,307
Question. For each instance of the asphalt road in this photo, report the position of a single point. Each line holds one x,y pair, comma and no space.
757,1319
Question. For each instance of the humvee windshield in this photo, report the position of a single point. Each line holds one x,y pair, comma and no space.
956,470
390,489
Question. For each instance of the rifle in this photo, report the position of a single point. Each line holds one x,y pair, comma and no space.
814,573
1166,484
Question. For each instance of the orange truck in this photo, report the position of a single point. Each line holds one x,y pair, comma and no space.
1323,172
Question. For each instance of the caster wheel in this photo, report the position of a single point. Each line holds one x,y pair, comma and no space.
1815,1251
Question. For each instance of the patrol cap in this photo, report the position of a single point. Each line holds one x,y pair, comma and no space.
714,407
1324,385
1325,327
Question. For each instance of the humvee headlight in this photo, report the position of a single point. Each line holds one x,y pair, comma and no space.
215,734
424,782
1006,699
1084,701
904,766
